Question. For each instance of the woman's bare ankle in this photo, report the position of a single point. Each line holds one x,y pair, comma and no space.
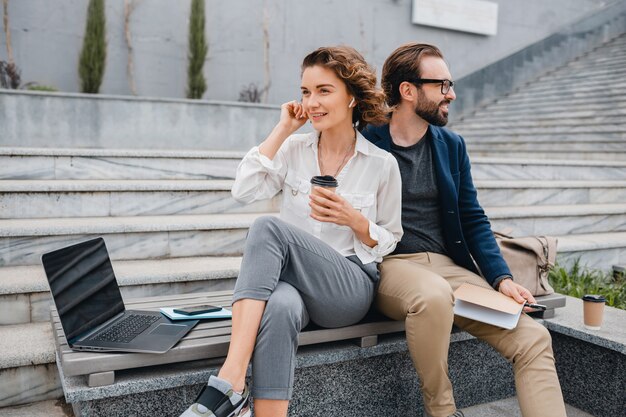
235,379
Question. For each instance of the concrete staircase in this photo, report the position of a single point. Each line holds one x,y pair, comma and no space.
547,159
550,158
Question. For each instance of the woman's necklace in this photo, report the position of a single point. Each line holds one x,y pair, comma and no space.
343,161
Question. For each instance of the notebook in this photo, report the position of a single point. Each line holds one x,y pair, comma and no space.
487,305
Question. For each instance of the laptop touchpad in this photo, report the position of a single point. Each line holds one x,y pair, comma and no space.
168,329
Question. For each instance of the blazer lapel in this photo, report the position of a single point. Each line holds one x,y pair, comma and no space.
441,158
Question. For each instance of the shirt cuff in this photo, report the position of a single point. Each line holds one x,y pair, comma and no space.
269,164
384,246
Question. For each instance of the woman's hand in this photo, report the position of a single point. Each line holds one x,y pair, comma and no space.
292,116
329,207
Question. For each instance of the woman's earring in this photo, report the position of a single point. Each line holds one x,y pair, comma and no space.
351,103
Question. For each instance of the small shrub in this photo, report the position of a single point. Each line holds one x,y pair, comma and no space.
93,54
578,281
39,87
250,94
198,48
10,75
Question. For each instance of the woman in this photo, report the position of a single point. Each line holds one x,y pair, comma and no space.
318,262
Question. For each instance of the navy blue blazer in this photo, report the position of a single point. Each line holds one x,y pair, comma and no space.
466,229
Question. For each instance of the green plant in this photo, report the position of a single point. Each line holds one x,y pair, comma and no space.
198,48
10,75
39,87
578,281
93,54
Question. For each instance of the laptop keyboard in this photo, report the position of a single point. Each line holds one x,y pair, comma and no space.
127,329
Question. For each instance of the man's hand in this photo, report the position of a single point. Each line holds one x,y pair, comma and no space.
517,292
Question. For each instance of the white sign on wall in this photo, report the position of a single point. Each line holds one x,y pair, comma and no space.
474,16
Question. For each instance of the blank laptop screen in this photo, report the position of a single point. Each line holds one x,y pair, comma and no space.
83,286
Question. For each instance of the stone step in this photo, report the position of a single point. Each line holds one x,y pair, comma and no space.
614,61
98,164
538,193
55,408
484,168
22,241
615,130
595,250
496,111
564,153
582,75
564,94
559,219
567,78
617,121
556,81
608,98
484,117
509,144
564,138
28,372
25,295
539,108
22,199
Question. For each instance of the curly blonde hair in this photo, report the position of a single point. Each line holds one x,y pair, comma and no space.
359,78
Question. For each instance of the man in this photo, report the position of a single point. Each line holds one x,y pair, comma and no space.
446,233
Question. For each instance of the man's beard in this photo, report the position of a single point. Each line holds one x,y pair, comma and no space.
429,110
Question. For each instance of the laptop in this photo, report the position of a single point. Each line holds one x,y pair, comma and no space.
91,309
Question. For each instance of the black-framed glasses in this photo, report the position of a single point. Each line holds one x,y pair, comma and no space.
446,85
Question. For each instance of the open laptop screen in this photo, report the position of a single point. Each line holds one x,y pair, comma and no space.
83,286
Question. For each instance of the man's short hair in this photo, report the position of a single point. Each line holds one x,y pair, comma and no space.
402,65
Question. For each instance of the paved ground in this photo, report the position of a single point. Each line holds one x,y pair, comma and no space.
502,408
510,408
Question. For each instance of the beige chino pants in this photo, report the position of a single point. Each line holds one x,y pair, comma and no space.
418,288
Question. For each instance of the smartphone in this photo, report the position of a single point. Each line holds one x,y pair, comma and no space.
193,310
536,306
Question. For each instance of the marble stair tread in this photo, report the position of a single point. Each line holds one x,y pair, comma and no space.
485,116
565,138
517,184
509,212
611,155
31,278
565,110
592,241
543,130
615,120
600,145
41,186
145,153
563,94
106,225
551,162
26,345
546,104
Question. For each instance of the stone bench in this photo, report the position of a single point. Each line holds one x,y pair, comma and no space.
99,381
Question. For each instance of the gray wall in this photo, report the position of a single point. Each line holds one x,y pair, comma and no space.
47,36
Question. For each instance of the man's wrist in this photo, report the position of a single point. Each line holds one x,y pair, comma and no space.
498,281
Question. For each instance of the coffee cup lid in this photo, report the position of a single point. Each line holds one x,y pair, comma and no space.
594,298
324,181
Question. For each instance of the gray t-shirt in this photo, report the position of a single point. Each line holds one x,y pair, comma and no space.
421,218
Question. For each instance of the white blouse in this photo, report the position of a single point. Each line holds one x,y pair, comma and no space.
370,182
